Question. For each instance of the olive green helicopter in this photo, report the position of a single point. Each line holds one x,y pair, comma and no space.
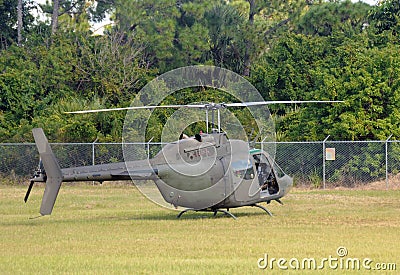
207,172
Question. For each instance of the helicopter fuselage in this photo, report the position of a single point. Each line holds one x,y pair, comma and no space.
217,173
208,172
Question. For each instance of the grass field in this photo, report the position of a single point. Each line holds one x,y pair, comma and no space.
114,229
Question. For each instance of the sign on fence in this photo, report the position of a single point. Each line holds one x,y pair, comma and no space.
330,154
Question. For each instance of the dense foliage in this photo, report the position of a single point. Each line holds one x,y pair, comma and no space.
289,50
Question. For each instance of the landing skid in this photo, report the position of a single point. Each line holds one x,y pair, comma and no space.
263,208
226,212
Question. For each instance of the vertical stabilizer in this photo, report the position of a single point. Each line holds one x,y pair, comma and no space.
52,169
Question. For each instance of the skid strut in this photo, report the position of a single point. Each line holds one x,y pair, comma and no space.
263,208
226,212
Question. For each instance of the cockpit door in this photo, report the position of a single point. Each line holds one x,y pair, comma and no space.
245,174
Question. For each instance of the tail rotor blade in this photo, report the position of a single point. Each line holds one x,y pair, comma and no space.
29,191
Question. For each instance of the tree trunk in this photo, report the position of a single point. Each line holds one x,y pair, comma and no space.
249,44
54,17
19,25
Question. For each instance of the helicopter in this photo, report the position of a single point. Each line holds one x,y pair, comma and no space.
207,172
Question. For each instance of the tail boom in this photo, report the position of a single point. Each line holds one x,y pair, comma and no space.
49,171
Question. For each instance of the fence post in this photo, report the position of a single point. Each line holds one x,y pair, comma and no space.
93,153
323,160
207,120
386,162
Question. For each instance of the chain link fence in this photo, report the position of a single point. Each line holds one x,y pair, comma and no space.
324,164
341,163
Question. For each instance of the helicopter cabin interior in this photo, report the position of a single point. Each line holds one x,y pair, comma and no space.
265,173
263,169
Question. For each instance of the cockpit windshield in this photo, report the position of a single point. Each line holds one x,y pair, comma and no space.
243,169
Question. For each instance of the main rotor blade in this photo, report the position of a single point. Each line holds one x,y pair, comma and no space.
138,107
246,104
206,105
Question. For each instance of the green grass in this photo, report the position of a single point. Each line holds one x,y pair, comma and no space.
114,229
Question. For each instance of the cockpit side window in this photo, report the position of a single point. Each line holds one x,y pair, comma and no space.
243,169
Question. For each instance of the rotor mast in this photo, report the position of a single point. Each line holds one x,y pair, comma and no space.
214,107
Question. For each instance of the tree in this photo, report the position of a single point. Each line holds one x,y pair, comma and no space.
20,23
327,18
69,14
102,8
110,67
225,30
152,24
385,16
10,16
266,18
54,16
332,68
39,82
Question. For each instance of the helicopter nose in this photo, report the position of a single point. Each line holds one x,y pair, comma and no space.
285,183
